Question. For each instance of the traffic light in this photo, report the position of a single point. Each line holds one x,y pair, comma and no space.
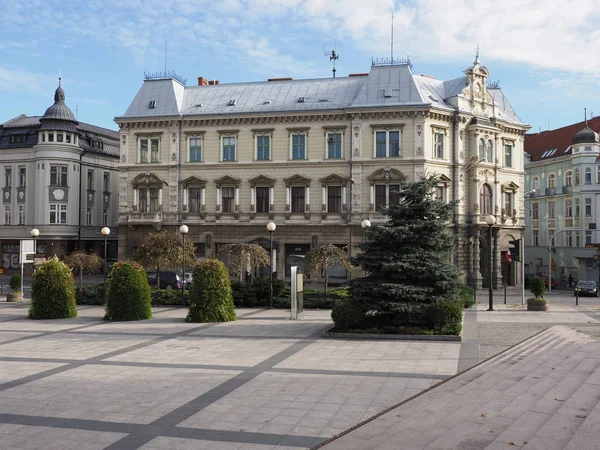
515,250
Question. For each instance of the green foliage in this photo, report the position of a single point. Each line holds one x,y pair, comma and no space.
211,298
80,261
168,297
538,287
444,316
466,295
90,295
15,282
408,258
347,315
323,257
257,292
241,256
128,293
164,250
52,291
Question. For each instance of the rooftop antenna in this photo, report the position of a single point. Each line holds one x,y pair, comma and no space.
76,112
392,39
333,56
166,55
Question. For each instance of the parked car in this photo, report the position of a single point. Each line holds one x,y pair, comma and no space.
168,280
187,279
586,288
554,282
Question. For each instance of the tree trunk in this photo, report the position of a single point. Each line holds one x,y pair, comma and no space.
157,277
80,279
326,283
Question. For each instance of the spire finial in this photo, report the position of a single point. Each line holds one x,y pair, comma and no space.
59,76
585,114
477,55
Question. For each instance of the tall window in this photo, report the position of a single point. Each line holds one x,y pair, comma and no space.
21,214
298,199
194,199
577,210
262,199
195,149
598,174
227,199
58,175
440,193
588,207
299,146
58,213
386,195
438,144
508,148
551,210
535,183
568,178
148,199
576,177
387,143
489,151
535,211
588,238
568,207
508,203
334,145
536,237
7,215
229,143
88,216
551,180
486,199
569,239
106,181
587,177
334,199
90,179
8,177
481,150
263,147
105,217
22,177
149,150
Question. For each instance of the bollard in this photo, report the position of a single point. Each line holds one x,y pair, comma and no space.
576,297
505,294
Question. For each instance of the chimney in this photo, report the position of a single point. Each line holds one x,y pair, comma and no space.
213,82
202,81
280,79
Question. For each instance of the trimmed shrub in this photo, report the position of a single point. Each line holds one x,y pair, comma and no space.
15,282
347,315
538,287
211,299
466,295
128,293
52,291
445,317
257,293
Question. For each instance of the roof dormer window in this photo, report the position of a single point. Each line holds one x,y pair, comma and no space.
152,104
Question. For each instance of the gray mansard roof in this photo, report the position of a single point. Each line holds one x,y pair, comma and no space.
384,86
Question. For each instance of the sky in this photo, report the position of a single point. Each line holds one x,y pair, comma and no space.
542,52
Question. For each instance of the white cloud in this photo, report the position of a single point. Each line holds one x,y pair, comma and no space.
14,80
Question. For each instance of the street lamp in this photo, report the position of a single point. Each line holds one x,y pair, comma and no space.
491,220
365,224
105,231
271,228
183,229
34,234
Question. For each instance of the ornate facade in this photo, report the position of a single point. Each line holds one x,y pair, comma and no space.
317,157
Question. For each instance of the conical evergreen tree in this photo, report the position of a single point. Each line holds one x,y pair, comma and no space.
407,258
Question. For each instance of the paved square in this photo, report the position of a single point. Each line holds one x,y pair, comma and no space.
258,383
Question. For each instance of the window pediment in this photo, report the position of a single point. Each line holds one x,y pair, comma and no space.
334,179
387,174
297,179
228,180
148,178
443,178
262,180
194,181
511,186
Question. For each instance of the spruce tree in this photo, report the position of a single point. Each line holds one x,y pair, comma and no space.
407,258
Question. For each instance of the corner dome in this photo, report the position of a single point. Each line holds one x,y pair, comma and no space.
59,111
586,135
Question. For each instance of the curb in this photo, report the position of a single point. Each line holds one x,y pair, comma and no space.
392,337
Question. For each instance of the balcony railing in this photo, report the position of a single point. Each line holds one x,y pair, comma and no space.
551,191
567,189
140,217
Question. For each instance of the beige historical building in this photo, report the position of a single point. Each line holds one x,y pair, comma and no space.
317,157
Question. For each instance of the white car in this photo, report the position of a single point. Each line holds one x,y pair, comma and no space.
187,279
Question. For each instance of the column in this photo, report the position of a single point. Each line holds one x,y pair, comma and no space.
307,199
202,197
135,197
287,196
344,197
371,197
185,196
324,202
237,197
252,198
496,273
271,196
219,198
160,197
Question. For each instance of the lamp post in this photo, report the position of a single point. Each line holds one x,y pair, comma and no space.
105,231
491,220
365,224
271,228
34,234
183,229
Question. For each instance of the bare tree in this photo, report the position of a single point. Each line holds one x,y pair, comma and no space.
164,250
240,256
323,257
81,261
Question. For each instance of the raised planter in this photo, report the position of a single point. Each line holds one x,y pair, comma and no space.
393,337
14,297
538,304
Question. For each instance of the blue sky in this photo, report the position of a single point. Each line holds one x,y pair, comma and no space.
543,52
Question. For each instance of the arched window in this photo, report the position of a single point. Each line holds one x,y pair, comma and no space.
485,201
535,184
481,150
489,151
587,177
576,177
568,178
551,180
